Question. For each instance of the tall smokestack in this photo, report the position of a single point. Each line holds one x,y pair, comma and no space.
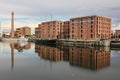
12,25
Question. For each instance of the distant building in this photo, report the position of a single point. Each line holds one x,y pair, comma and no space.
90,27
48,30
87,58
117,33
19,32
22,32
26,30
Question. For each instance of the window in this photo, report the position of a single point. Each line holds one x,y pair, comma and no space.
91,30
81,30
81,26
91,18
91,36
91,26
91,22
81,23
81,36
72,31
72,27
53,28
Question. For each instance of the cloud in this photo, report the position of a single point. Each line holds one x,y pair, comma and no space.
57,7
115,27
32,23
42,10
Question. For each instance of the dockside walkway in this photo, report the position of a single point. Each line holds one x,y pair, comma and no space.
72,42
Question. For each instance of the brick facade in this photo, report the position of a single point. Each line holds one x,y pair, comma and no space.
90,27
48,30
22,32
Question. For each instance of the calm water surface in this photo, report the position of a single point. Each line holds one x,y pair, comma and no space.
29,61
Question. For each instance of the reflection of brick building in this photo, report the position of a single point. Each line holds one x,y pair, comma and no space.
20,47
48,53
22,31
90,27
87,58
65,54
27,46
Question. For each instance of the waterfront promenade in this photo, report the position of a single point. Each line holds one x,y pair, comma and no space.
71,42
9,39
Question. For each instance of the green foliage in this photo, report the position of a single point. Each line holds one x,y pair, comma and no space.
30,36
3,35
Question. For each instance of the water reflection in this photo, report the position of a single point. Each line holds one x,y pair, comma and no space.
19,47
12,55
93,59
88,58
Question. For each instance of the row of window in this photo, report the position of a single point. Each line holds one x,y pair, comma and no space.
82,26
92,18
73,36
100,22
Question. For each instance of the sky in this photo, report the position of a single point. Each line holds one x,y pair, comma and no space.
32,12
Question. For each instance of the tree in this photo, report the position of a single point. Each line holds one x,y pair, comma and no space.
30,36
4,35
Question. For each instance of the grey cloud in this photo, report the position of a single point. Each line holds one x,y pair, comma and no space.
115,8
63,8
